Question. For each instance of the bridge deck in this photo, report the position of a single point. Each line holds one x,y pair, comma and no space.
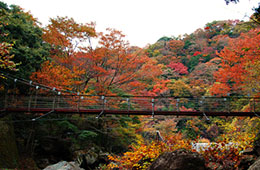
130,112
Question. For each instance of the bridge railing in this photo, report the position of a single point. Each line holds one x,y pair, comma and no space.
132,103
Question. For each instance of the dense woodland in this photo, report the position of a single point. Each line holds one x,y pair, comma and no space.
221,59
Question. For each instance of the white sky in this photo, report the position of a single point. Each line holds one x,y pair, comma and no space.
142,21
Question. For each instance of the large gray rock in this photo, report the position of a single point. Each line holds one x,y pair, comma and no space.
180,159
63,165
256,165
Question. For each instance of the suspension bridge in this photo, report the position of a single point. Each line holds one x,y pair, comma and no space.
134,105
57,102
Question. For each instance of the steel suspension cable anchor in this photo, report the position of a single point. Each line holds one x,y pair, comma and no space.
103,107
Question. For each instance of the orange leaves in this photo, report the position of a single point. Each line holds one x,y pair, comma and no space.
111,65
220,89
161,87
241,54
57,76
66,36
147,153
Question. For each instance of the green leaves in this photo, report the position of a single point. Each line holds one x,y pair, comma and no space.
21,30
67,126
87,135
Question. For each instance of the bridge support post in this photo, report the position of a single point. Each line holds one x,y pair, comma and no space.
128,106
103,107
53,102
58,103
14,92
153,108
178,106
36,96
78,103
229,101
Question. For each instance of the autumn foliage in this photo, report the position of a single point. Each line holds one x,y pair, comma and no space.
223,60
141,155
238,71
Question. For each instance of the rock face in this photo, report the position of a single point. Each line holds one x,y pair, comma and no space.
178,160
63,166
8,149
52,150
255,166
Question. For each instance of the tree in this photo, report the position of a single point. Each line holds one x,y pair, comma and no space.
22,31
66,36
112,65
5,57
178,68
179,89
176,47
239,72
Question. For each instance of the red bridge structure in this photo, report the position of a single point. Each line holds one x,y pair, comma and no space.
57,101
132,105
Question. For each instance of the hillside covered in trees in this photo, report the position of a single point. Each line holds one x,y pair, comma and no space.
221,59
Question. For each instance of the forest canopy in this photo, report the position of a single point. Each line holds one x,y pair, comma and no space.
222,59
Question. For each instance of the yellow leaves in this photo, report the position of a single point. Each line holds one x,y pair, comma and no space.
179,88
5,57
142,151
240,131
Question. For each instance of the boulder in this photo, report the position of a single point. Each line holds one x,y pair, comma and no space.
63,165
91,158
178,160
256,165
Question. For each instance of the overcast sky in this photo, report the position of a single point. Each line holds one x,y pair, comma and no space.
142,21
